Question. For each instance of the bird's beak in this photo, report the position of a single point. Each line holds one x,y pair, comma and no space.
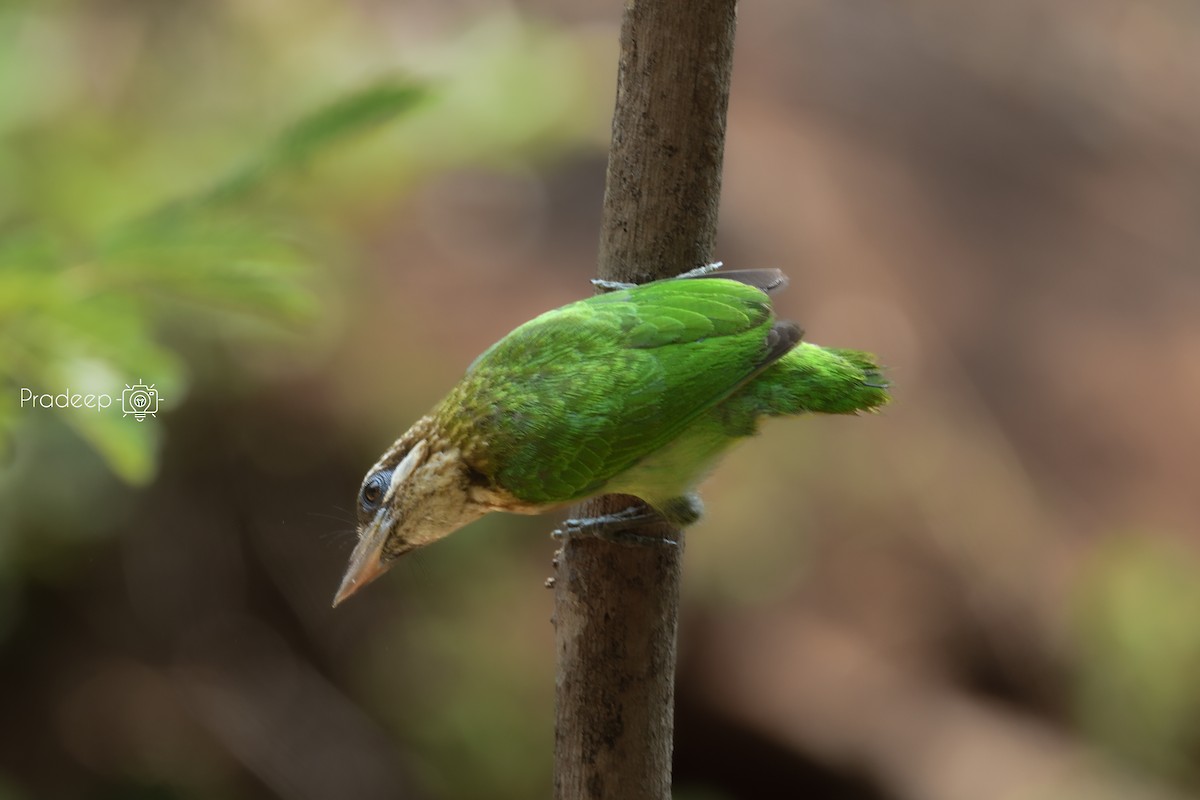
366,562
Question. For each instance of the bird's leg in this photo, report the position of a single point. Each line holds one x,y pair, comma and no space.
615,527
611,286
698,272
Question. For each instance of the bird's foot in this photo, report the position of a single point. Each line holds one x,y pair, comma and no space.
698,272
611,286
615,528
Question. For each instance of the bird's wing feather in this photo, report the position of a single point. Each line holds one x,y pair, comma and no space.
578,395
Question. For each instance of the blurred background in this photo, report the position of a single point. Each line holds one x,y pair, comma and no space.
301,220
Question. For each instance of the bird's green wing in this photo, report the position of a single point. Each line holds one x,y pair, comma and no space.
556,409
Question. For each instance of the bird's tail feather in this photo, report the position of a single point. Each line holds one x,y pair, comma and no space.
816,379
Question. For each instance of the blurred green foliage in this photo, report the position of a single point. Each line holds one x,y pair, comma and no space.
185,192
156,201
91,313
1138,693
116,242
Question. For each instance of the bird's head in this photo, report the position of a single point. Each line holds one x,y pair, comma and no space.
414,495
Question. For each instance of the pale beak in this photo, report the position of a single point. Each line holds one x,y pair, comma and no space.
365,563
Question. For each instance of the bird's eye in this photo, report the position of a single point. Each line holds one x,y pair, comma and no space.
373,490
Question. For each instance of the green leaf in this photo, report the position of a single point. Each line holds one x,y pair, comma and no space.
343,118
209,262
129,447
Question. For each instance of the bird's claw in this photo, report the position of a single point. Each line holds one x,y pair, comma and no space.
615,528
702,271
612,286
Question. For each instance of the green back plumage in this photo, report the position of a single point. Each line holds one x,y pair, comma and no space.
578,395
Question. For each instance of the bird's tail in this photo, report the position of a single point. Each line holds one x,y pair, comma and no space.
815,379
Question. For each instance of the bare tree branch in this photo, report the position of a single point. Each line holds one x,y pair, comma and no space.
616,607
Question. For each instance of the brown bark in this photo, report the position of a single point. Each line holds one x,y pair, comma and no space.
616,606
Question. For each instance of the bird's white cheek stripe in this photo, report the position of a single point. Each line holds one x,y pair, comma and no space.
406,466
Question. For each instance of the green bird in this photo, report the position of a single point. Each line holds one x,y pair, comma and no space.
636,391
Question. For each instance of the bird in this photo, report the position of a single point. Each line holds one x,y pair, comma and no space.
638,390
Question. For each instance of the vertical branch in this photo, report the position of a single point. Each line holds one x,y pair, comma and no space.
615,606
